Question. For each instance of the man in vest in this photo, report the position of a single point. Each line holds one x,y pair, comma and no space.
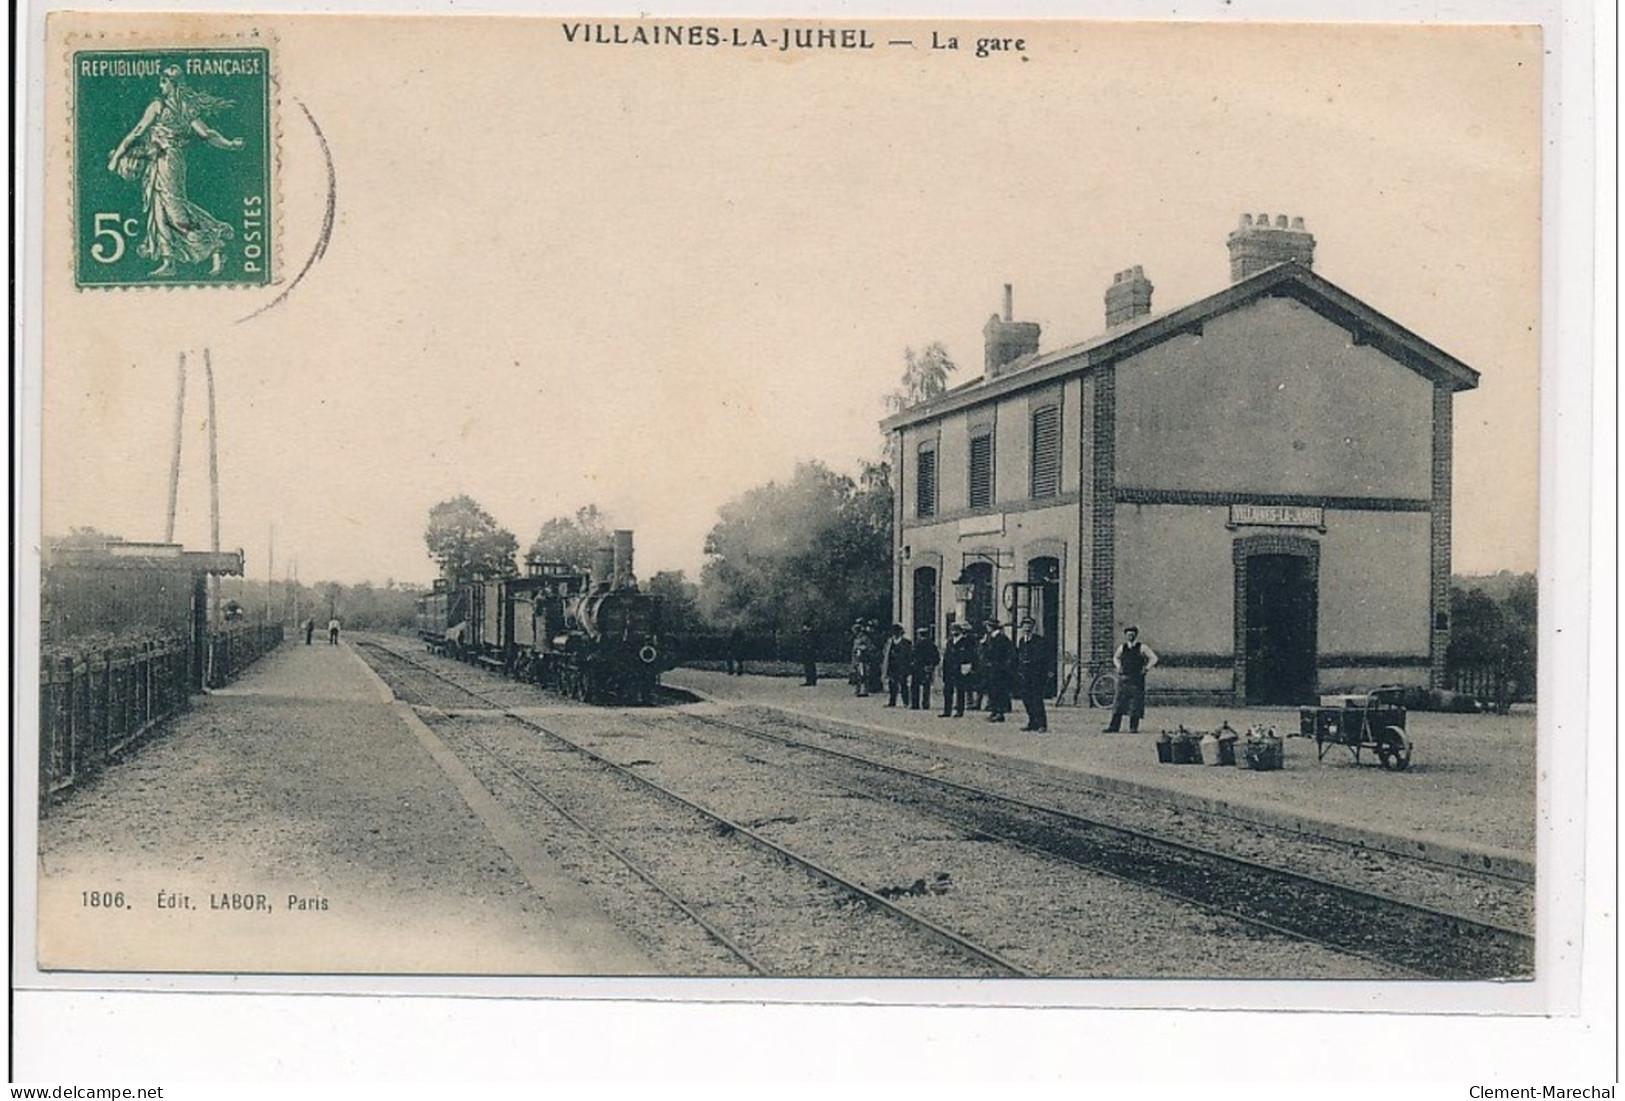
1132,659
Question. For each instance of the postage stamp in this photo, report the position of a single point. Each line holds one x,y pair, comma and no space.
172,167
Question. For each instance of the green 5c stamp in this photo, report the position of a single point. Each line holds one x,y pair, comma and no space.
172,167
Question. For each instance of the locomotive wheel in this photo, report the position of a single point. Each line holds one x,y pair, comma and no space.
1393,751
1103,690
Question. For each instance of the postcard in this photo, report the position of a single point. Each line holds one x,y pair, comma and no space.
1045,509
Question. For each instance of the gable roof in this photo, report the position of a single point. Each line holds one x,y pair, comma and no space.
1289,280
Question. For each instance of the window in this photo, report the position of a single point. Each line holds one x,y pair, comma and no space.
925,482
1046,468
925,599
981,471
980,607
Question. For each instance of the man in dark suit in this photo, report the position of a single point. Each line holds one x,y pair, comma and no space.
926,656
999,655
958,666
1032,658
898,663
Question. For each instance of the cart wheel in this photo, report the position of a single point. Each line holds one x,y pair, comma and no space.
1393,750
1103,690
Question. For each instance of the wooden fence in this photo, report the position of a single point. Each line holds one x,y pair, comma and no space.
96,704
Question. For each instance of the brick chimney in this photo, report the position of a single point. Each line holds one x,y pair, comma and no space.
1007,340
1128,297
1257,245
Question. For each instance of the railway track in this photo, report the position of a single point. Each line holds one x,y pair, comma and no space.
964,957
1370,924
1393,933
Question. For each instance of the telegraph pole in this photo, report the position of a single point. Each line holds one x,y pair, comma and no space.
214,464
270,573
175,454
214,504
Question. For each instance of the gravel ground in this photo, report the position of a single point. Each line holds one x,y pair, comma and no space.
1494,900
1049,916
299,786
1472,780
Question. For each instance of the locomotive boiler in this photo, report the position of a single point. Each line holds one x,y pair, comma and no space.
592,636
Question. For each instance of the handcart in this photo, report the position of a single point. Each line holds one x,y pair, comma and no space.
1374,720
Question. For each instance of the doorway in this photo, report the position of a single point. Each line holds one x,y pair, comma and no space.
1279,600
925,599
1044,577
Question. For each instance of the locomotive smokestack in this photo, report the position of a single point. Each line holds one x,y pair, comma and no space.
623,559
603,565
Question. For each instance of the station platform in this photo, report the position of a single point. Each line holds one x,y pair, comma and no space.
1468,798
300,820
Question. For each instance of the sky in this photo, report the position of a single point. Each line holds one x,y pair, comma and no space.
651,278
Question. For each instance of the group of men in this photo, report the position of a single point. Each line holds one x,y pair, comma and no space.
980,668
332,630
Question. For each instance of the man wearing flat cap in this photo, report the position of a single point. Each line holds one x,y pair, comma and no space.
1133,659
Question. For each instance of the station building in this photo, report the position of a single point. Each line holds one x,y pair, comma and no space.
1260,481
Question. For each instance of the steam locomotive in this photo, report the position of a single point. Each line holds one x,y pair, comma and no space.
590,636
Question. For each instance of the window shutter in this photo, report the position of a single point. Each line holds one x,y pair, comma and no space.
1046,468
981,471
925,483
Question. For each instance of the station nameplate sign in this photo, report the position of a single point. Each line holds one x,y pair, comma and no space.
1278,516
992,524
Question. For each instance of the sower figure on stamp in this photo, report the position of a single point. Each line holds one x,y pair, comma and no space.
1133,659
1032,673
154,151
926,657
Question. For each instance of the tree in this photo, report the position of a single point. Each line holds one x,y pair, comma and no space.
925,376
572,539
818,547
679,601
466,542
1495,635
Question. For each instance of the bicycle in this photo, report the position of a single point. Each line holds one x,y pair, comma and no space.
1102,686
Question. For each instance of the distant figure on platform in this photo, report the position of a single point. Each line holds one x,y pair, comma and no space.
736,653
958,667
926,656
976,686
310,629
1132,659
1032,676
863,657
809,654
999,655
333,631
898,661
877,638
